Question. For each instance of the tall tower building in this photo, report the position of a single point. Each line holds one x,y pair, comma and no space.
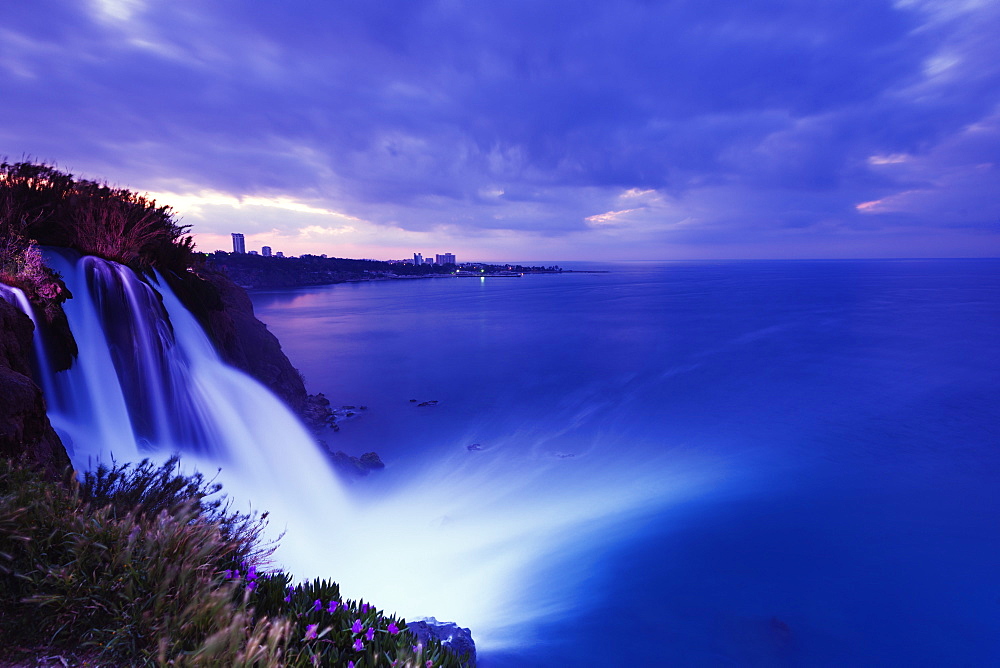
445,258
238,244
418,259
266,251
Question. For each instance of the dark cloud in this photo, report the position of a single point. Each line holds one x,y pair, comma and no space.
757,116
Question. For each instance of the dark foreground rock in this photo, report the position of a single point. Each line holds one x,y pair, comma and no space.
25,431
456,639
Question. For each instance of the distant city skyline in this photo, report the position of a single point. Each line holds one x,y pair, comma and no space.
239,248
540,131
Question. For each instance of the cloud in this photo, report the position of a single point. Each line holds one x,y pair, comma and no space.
536,119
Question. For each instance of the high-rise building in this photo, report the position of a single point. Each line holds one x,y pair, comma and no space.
266,251
238,244
418,259
445,258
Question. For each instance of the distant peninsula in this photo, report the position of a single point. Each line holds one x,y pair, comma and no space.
260,272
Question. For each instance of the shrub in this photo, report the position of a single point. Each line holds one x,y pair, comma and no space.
139,565
38,202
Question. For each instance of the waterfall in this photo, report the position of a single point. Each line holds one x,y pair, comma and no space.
148,383
468,539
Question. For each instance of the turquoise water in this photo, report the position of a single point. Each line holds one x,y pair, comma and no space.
802,456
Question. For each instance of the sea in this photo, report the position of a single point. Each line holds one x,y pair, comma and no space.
733,463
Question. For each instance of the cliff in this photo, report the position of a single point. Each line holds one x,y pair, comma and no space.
25,431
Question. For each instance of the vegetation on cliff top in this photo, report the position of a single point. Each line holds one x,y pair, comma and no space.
40,204
138,565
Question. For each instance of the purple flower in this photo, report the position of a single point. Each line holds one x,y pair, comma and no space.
370,634
252,573
417,648
393,629
288,599
350,664
228,574
333,606
311,632
356,627
429,663
317,605
358,645
251,586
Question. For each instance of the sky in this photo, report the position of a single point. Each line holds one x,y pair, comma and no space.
520,130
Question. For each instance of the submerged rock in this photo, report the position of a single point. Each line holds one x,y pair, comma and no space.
354,466
452,636
372,461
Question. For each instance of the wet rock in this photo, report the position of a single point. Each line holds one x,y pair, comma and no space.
317,413
25,430
372,461
453,637
356,467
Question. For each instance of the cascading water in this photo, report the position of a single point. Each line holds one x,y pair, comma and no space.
466,539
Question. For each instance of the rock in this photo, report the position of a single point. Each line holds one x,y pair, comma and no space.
317,413
453,637
372,461
25,430
354,466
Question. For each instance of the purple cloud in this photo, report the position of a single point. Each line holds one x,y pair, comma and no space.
758,126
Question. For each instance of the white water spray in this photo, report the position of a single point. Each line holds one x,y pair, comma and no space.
472,539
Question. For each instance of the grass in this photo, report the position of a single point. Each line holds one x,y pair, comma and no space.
41,204
141,565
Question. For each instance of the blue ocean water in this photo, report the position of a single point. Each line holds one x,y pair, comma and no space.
803,455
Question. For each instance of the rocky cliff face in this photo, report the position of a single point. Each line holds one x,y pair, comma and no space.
25,431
